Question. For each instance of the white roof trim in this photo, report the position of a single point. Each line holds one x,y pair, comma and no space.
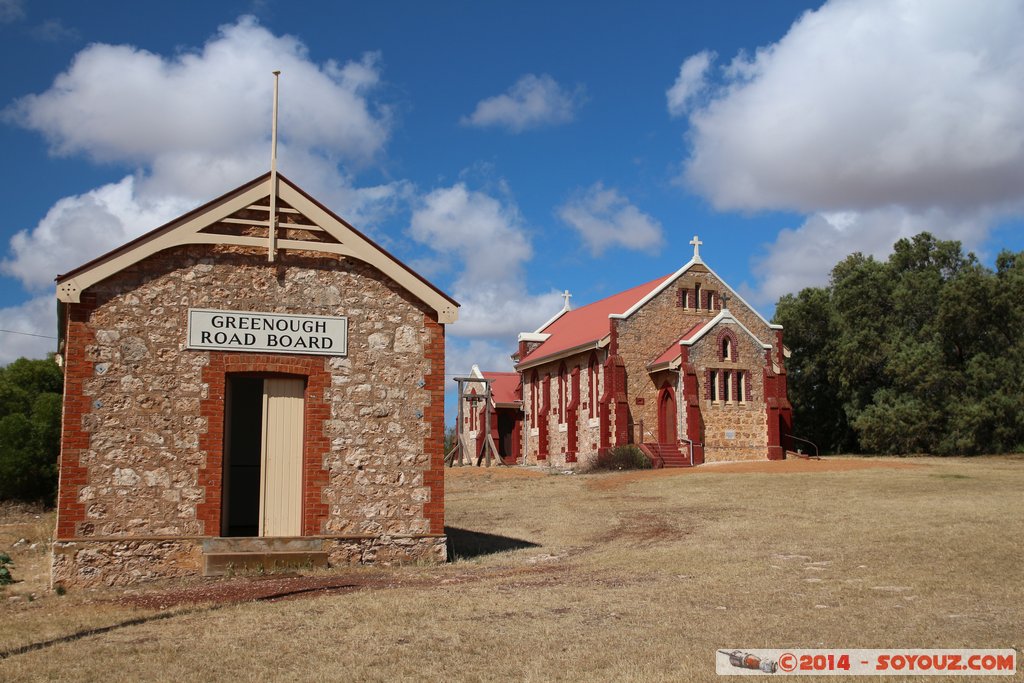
559,355
556,316
368,252
533,336
187,230
722,316
666,365
672,278
654,292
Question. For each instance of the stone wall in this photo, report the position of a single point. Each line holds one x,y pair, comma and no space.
88,564
736,429
661,321
143,425
587,429
110,563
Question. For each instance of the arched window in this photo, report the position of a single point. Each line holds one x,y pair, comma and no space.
727,387
563,392
713,385
592,377
534,390
728,349
741,386
696,296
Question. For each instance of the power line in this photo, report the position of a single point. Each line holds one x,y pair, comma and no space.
28,334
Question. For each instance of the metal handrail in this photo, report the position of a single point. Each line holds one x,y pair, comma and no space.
797,438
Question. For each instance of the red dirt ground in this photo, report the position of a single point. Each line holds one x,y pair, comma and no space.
283,587
606,480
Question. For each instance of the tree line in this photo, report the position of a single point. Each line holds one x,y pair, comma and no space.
30,409
921,353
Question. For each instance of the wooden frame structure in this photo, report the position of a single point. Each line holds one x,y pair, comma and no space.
307,225
460,451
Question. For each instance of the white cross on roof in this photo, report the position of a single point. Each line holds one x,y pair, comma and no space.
696,247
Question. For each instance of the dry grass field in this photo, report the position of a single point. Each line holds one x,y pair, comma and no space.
625,577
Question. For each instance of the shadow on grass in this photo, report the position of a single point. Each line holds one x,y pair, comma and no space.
464,544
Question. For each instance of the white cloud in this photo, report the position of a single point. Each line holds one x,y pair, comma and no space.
532,102
194,126
121,103
868,103
879,119
487,235
489,240
604,218
79,228
11,11
461,355
36,320
690,83
804,256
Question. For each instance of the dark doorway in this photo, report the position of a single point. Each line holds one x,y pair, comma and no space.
506,424
243,440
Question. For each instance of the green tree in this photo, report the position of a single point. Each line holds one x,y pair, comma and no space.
921,353
30,414
450,435
811,335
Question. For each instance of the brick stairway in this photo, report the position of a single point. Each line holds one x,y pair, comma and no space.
668,454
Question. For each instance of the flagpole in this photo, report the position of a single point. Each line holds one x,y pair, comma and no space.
272,229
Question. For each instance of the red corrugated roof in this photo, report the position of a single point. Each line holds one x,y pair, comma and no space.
503,386
673,352
588,323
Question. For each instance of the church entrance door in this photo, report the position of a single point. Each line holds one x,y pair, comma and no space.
667,432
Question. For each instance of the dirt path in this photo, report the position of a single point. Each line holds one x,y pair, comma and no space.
609,480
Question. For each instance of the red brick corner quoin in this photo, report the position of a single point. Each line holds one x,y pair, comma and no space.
74,436
433,443
316,444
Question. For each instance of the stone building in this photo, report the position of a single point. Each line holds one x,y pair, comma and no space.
241,390
503,416
681,366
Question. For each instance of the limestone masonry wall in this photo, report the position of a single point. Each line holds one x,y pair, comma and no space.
659,323
648,332
587,428
143,429
737,429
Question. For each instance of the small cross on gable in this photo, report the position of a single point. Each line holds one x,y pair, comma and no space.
696,247
725,300
566,295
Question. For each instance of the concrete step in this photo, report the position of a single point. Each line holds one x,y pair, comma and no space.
219,564
261,544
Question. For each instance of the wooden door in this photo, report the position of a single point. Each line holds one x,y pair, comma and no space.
667,432
281,485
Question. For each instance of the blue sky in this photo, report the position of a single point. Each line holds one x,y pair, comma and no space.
509,152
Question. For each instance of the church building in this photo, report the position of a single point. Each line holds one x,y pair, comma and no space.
254,384
681,366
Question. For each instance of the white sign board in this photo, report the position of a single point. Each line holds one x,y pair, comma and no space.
267,332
